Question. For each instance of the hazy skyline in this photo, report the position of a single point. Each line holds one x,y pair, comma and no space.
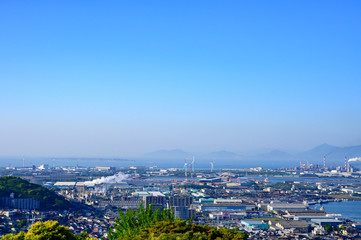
92,78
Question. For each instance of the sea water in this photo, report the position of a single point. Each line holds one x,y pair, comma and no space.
350,209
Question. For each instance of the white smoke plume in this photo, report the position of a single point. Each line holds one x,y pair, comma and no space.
354,159
119,177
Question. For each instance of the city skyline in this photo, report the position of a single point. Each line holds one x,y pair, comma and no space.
121,79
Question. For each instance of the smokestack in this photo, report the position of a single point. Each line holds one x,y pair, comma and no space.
185,171
324,162
300,165
192,168
193,160
345,164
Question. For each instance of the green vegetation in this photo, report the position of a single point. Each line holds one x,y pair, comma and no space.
140,224
129,224
183,230
145,223
49,200
303,187
282,186
328,228
49,230
22,223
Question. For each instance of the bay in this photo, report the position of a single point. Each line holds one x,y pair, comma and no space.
350,209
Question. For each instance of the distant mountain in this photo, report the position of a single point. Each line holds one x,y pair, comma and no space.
168,154
352,151
221,155
271,159
318,152
334,155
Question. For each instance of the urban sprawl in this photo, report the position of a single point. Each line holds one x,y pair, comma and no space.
267,204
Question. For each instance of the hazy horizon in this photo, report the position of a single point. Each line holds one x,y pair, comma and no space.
113,79
267,158
143,155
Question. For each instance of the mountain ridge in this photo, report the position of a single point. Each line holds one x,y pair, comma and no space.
333,154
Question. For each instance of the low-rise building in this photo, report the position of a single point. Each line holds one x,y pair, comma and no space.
227,206
285,206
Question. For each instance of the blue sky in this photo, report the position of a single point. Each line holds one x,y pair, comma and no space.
120,78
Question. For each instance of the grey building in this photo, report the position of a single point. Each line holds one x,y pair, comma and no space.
157,201
181,206
20,203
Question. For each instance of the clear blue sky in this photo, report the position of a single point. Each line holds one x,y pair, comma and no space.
120,78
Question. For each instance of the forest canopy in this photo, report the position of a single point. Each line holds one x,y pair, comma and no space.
49,200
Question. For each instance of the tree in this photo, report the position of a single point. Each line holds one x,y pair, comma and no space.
49,230
49,200
145,223
183,230
328,228
22,223
83,236
19,236
129,224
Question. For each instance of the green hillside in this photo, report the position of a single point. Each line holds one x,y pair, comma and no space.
49,200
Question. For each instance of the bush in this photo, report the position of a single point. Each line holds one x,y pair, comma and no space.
128,225
49,230
183,230
145,223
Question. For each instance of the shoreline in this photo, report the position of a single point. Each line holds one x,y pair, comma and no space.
347,218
